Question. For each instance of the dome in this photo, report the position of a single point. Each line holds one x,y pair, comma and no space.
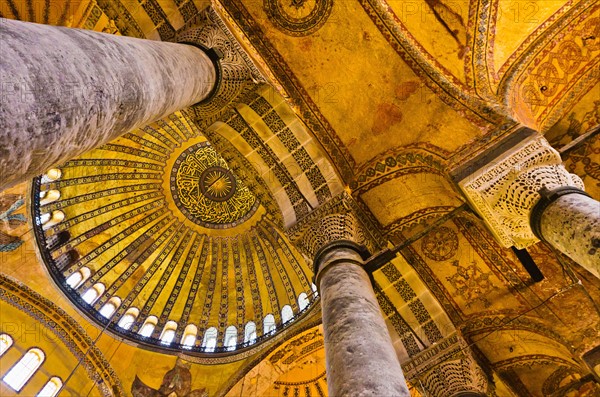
155,237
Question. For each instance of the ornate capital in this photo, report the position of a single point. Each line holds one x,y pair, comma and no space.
337,220
236,73
505,190
447,368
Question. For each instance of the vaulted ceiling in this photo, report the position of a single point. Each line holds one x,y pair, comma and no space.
387,97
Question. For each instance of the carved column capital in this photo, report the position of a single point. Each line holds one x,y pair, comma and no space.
236,73
335,222
448,368
505,190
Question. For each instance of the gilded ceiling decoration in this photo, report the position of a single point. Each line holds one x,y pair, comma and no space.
180,234
66,330
281,152
11,222
566,66
177,382
157,222
298,17
207,192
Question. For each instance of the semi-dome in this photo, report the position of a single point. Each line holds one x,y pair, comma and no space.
154,236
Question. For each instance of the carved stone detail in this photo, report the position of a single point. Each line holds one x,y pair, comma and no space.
339,219
236,72
504,191
446,369
331,228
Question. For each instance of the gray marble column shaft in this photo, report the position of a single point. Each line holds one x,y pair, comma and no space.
572,225
65,91
360,358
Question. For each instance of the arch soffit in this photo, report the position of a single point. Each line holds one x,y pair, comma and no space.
281,152
553,69
66,329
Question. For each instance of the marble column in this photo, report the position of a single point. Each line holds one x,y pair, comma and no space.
569,220
65,91
360,357
524,194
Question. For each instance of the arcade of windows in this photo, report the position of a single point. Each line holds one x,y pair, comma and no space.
167,336
190,334
22,371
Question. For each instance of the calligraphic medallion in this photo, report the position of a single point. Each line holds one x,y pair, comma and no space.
298,17
207,192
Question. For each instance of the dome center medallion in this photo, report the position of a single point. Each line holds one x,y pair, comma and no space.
207,192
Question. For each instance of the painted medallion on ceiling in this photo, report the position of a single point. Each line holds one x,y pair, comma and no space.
207,192
298,17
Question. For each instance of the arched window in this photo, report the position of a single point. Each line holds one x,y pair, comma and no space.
5,342
315,292
168,333
269,323
129,318
230,339
45,217
49,196
148,326
303,301
56,240
286,314
24,369
51,388
189,336
110,307
93,293
250,332
209,342
53,174
78,278
66,259
48,220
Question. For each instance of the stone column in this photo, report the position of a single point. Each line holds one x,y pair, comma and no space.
569,220
360,357
65,91
524,194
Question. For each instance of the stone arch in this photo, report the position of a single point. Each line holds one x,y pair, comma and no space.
68,331
281,151
538,90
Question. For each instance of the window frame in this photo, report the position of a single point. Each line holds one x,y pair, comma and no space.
11,342
31,374
60,385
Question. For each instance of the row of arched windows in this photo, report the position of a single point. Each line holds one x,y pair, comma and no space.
189,337
49,219
18,375
190,334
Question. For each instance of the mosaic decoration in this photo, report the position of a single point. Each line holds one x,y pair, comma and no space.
65,328
563,70
308,110
448,88
440,244
471,284
207,192
177,382
9,221
298,17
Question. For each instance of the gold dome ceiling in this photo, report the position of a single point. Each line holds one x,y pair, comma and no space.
155,228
